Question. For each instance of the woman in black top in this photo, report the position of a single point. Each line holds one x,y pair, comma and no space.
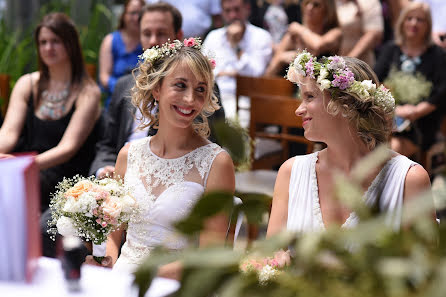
53,111
413,51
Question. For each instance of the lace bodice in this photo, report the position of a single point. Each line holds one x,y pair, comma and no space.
165,191
304,210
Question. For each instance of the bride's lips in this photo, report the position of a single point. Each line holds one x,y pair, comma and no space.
183,111
305,121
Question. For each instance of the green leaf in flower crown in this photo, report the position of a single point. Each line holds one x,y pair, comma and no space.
207,206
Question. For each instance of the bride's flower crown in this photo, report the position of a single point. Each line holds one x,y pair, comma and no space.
332,72
169,49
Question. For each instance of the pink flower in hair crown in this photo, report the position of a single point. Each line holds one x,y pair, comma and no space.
333,73
189,42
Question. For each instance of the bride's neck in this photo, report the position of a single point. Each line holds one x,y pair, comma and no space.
344,157
170,143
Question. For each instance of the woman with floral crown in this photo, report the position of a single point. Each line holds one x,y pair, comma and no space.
344,107
168,172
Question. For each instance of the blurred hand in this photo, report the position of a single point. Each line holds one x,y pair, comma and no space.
407,111
287,57
6,156
294,28
106,262
234,33
107,171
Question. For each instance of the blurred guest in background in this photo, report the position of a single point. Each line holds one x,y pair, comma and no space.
53,111
239,47
362,28
414,52
199,16
120,49
320,34
438,9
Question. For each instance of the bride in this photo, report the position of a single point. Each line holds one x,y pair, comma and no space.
344,107
168,172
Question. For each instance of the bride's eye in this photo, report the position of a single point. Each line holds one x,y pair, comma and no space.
180,85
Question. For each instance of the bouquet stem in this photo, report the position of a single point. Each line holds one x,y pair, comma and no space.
99,251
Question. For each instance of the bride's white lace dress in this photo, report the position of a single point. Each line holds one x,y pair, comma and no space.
165,191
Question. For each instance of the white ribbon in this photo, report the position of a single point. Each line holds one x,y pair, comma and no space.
99,249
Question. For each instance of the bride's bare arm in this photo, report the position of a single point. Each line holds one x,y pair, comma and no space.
221,177
114,239
279,211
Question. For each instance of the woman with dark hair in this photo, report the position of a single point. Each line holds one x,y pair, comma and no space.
53,111
120,49
319,33
413,52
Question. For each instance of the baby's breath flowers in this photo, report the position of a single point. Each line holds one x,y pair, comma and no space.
89,208
153,54
332,73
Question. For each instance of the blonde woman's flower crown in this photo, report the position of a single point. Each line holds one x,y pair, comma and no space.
169,49
332,72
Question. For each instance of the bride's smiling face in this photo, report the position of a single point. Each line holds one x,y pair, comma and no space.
181,96
316,121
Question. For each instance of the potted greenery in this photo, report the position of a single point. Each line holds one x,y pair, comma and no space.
91,35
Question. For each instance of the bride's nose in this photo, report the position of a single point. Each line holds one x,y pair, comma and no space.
300,110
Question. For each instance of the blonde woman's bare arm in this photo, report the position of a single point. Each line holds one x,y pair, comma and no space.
105,60
315,43
279,211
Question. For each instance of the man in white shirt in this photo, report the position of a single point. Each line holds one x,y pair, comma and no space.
198,15
239,47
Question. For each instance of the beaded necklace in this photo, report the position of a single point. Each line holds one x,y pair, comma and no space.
53,103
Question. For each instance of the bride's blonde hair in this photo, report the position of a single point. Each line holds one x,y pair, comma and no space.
149,75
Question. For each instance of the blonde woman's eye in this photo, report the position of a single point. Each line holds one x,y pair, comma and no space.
180,85
201,89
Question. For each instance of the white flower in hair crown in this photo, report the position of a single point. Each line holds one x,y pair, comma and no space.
332,72
169,49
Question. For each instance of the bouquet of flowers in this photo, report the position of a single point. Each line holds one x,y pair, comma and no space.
406,87
91,209
268,268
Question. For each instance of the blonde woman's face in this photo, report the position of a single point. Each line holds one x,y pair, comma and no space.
181,97
415,26
318,124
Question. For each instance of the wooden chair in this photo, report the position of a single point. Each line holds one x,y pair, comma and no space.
266,111
265,85
278,111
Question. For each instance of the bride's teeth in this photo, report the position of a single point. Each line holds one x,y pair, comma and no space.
185,111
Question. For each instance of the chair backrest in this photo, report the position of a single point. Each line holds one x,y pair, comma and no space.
266,85
279,111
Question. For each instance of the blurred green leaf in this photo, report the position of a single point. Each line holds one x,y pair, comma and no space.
207,206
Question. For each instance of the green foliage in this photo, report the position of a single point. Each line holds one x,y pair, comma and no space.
236,139
92,34
369,260
408,88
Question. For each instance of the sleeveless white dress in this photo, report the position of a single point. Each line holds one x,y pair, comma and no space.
165,191
304,210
